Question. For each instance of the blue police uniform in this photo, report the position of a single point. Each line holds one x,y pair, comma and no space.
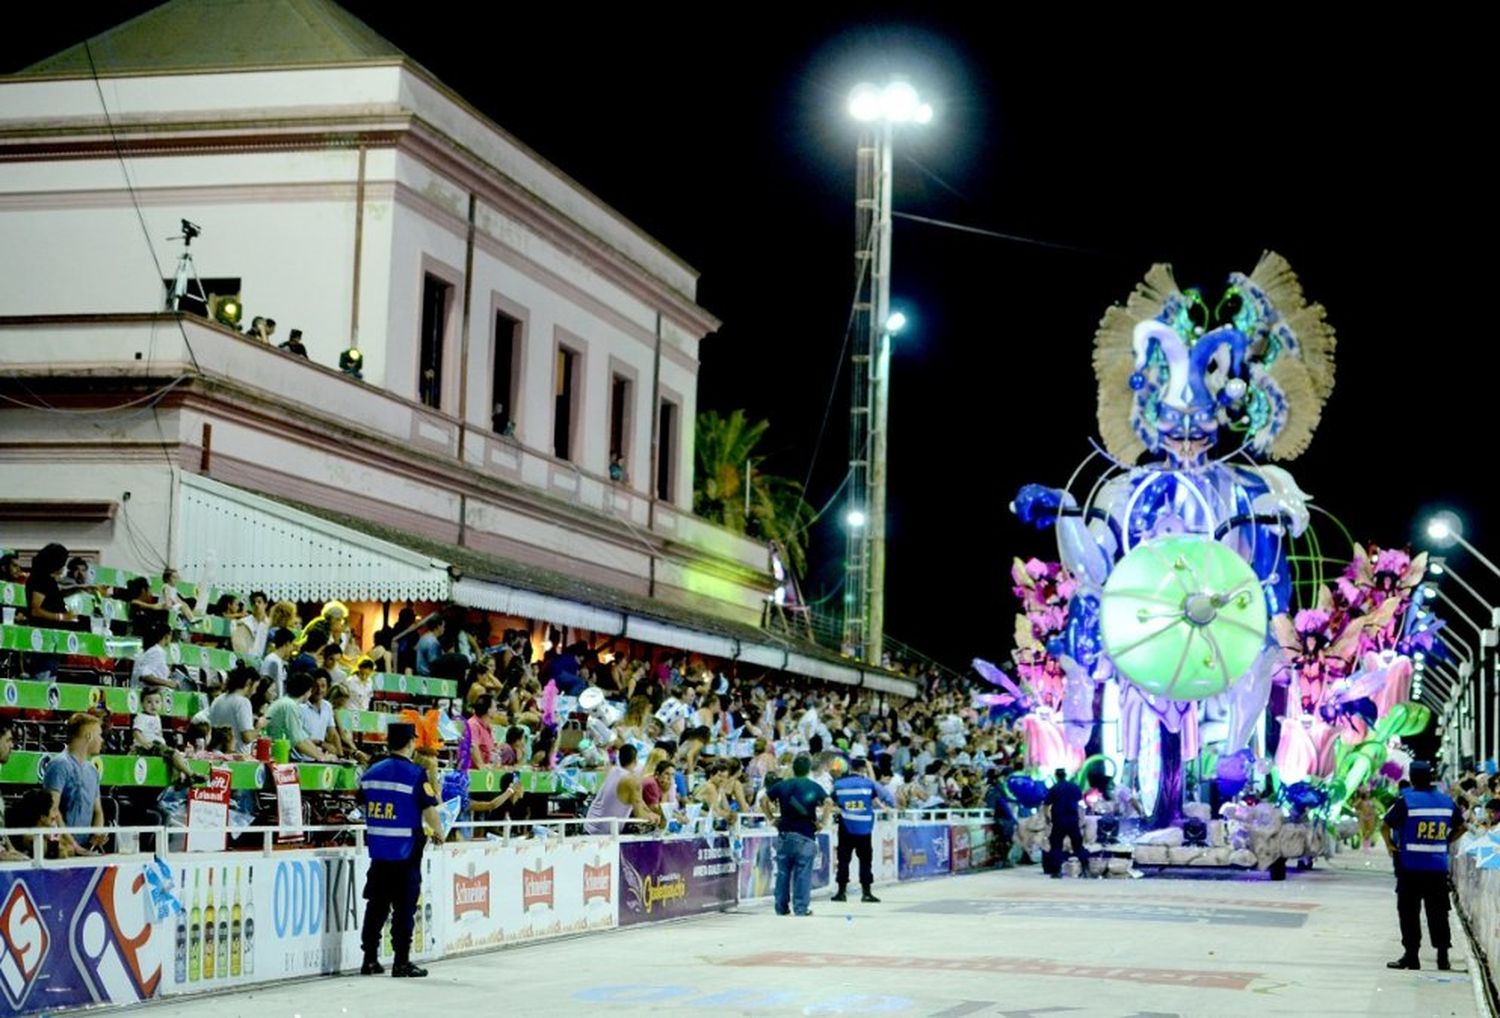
1423,821
856,795
395,792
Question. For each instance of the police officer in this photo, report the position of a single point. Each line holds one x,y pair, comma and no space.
398,800
1417,830
855,794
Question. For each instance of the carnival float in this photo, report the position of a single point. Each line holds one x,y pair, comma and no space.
1219,684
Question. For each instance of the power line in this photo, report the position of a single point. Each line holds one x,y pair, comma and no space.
998,235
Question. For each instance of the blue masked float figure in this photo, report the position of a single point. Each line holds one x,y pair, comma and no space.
1178,549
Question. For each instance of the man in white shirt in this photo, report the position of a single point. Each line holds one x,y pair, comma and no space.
152,670
249,632
317,717
273,665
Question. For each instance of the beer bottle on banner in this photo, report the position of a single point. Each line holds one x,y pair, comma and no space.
195,932
235,941
427,922
179,942
222,966
209,930
248,937
416,933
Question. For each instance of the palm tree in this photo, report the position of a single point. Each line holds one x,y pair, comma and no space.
725,451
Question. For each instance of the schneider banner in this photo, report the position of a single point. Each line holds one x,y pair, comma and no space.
674,878
922,850
74,937
496,893
757,878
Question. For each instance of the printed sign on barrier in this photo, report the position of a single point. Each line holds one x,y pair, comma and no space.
922,850
678,877
76,936
883,851
510,893
247,919
757,876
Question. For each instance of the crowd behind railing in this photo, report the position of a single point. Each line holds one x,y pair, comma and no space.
516,726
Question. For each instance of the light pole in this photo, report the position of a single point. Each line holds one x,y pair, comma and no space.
1489,711
880,110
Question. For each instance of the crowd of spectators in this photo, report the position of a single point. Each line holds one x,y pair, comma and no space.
704,739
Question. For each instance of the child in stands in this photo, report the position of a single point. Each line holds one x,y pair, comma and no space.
147,738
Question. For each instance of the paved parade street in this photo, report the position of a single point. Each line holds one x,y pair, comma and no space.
999,943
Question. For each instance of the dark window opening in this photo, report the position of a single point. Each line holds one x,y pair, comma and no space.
506,373
564,403
619,426
436,295
666,444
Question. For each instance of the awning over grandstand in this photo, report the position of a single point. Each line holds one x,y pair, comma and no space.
233,539
521,603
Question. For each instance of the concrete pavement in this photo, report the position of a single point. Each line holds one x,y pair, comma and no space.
999,943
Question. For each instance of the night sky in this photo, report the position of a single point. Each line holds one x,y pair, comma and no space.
1355,148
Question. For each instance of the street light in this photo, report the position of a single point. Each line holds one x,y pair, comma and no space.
855,518
1446,529
880,109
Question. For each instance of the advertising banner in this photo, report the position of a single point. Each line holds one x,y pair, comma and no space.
288,802
208,812
883,851
922,850
757,876
958,842
249,919
77,936
493,893
667,879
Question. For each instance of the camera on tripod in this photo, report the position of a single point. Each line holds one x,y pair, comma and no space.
189,231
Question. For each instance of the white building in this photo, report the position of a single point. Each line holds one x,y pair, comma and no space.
515,332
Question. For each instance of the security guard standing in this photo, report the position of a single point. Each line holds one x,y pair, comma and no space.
855,794
399,800
1418,829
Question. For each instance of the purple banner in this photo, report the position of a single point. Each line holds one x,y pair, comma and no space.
75,937
669,879
923,850
758,865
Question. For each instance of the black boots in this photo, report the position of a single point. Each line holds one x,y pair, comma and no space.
1443,965
406,970
868,898
371,967
1406,961
840,896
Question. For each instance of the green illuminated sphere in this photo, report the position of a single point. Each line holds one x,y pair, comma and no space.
1183,616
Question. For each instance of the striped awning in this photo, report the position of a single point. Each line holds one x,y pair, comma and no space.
233,539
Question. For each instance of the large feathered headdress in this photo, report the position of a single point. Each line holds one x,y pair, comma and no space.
1260,361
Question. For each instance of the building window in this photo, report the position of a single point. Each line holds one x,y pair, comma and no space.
565,403
506,373
666,451
619,427
436,297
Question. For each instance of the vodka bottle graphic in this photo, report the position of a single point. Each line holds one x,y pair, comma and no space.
417,931
195,932
248,936
236,928
210,931
179,943
221,967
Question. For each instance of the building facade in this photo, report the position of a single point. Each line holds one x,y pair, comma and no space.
517,338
